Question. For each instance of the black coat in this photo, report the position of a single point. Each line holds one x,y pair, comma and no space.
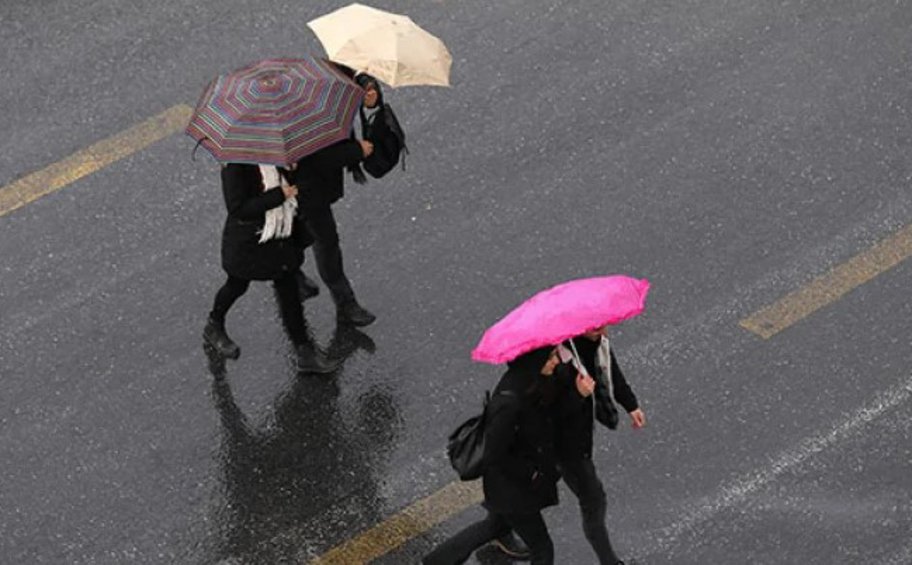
320,177
242,254
520,465
573,414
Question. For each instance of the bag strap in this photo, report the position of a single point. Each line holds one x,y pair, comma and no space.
604,358
392,122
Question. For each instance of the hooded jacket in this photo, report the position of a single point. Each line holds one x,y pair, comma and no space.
520,464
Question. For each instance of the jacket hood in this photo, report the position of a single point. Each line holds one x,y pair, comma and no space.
532,361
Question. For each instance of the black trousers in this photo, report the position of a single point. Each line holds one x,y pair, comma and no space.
580,476
530,527
320,224
286,290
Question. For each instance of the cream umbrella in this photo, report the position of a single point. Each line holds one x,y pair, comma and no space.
388,46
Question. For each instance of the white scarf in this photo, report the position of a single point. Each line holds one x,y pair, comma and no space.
279,220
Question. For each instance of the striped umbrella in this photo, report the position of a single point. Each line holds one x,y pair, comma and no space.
275,111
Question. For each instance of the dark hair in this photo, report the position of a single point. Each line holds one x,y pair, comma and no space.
531,360
365,80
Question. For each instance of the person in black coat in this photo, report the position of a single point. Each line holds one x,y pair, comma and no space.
520,465
245,258
320,180
574,431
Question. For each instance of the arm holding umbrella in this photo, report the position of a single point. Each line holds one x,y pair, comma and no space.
242,205
585,385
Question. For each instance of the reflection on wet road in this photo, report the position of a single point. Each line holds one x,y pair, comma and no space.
274,477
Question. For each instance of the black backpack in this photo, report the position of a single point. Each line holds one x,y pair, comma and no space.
389,141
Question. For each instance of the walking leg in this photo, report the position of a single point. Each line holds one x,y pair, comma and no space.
581,478
214,333
458,548
322,226
310,359
532,529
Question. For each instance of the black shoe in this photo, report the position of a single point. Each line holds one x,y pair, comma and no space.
312,360
306,287
351,312
512,546
215,335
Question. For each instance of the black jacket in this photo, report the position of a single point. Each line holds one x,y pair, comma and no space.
573,413
242,254
520,465
320,177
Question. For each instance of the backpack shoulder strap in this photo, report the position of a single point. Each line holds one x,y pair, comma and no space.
392,121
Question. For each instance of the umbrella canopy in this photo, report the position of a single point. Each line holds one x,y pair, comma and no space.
388,46
275,111
561,312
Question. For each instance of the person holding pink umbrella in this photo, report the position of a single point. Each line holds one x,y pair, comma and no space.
576,315
576,408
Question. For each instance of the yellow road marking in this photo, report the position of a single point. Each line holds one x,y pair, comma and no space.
85,162
407,524
829,287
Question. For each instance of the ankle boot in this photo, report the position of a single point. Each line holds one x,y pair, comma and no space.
512,546
350,312
306,287
312,360
215,335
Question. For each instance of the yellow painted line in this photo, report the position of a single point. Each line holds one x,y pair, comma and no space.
407,524
86,161
829,287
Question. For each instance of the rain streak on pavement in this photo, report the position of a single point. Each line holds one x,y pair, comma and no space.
731,152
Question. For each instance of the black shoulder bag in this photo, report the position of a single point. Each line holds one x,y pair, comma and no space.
465,446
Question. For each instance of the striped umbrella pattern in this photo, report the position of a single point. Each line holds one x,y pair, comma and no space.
275,111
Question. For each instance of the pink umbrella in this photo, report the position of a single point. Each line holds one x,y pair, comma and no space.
561,312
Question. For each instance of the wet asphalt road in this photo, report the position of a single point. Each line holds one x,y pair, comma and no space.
729,151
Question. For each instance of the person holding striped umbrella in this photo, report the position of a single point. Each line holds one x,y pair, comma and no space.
259,121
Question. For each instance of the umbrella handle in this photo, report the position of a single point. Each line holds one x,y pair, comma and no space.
582,368
576,359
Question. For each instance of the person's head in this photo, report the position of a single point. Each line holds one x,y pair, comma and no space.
373,95
596,334
541,361
551,363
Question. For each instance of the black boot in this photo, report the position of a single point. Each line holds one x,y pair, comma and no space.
215,335
350,312
306,287
312,360
511,545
